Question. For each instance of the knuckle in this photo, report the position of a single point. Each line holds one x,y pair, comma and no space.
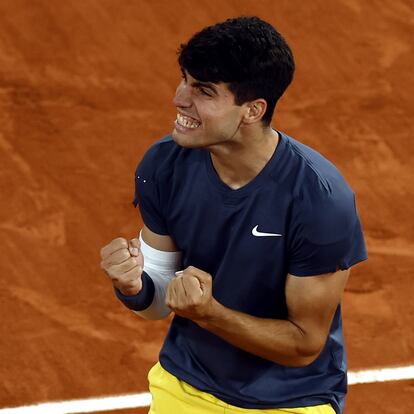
105,267
111,274
114,279
124,254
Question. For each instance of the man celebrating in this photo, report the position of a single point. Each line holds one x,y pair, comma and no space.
248,238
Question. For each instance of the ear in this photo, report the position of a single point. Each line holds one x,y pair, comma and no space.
254,111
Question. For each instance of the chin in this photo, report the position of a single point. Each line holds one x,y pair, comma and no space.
185,141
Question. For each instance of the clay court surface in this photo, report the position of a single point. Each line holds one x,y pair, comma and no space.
86,87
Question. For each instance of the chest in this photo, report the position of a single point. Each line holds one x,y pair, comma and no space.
240,239
207,224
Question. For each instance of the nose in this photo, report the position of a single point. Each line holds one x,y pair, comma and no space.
182,98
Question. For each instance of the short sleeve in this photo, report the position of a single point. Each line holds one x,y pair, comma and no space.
147,195
326,236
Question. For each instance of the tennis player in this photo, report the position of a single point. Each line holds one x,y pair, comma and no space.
248,238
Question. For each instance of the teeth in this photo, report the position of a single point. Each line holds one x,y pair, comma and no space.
187,122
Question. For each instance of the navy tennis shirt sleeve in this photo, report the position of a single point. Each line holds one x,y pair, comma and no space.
147,198
147,191
326,235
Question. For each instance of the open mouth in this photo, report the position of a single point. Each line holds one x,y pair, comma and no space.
187,122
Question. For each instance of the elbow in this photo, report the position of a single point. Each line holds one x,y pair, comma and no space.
302,354
302,361
306,346
296,361
307,352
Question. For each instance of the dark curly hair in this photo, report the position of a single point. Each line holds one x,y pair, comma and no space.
245,52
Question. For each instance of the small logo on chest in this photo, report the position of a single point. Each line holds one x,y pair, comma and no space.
258,233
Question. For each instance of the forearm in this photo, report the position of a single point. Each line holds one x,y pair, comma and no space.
280,341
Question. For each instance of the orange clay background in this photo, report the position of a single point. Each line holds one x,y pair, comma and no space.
86,87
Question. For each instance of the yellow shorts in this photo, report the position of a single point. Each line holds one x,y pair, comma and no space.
173,396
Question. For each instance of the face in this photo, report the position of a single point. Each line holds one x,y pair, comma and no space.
206,114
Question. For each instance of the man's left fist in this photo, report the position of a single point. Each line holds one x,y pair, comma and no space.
189,294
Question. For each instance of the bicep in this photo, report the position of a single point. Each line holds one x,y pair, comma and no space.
157,241
312,302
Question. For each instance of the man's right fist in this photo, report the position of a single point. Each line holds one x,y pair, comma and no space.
123,262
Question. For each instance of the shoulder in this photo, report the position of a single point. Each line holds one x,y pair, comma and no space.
165,160
157,156
323,200
163,157
313,176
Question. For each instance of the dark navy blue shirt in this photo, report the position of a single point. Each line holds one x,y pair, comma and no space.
299,196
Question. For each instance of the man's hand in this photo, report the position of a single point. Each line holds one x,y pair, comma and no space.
189,294
123,262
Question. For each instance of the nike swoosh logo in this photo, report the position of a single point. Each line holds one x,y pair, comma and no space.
258,233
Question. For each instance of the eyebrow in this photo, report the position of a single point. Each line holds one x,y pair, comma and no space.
197,84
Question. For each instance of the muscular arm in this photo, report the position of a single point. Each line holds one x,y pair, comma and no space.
297,341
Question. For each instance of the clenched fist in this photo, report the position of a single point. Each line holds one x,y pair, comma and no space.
189,294
123,262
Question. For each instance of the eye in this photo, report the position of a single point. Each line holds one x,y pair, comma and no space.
204,92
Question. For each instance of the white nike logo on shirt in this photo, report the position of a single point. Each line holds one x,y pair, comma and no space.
258,233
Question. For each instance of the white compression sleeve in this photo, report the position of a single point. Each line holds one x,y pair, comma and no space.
160,267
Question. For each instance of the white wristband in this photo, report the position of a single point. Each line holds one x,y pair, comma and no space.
160,267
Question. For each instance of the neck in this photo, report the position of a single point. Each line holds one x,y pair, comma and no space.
239,162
